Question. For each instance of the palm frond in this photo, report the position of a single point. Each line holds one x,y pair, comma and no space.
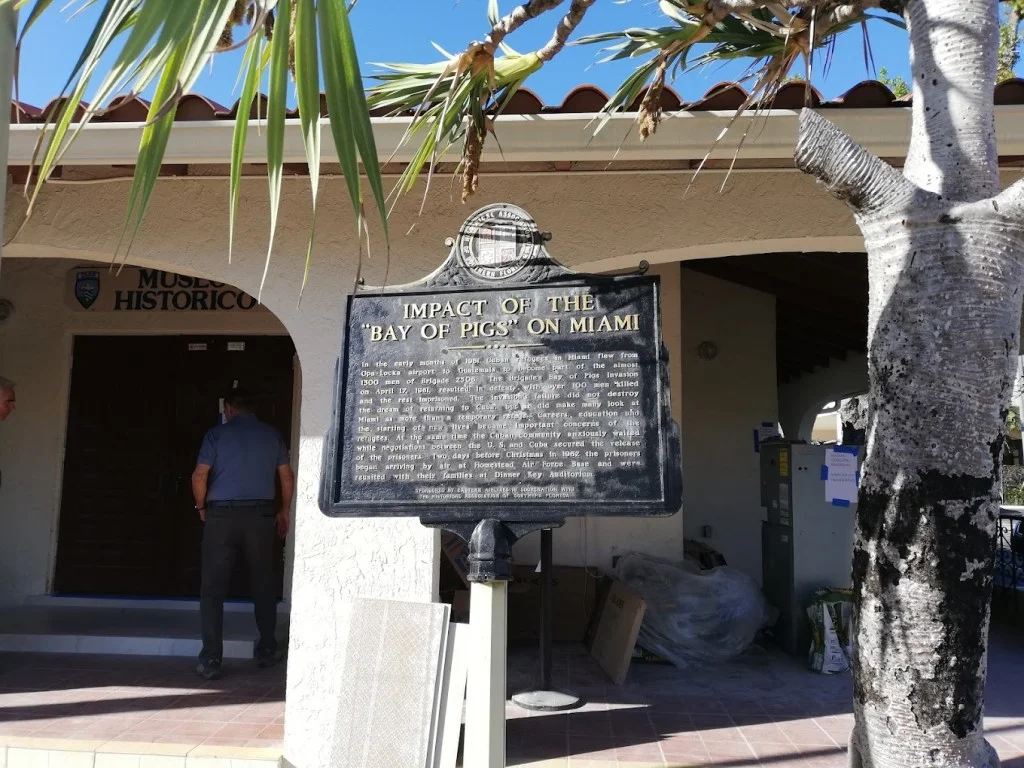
771,36
167,44
450,101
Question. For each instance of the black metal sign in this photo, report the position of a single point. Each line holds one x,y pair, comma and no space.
503,387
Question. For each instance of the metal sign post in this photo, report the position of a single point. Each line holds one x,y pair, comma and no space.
496,397
545,698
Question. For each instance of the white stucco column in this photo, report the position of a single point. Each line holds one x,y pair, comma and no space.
335,561
8,36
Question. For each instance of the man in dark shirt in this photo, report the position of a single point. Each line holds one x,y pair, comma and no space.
234,489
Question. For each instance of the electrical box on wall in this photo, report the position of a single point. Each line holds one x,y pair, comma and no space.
809,493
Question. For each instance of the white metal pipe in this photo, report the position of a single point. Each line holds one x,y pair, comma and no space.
485,687
8,37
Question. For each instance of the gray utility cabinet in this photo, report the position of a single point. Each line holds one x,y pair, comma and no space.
807,541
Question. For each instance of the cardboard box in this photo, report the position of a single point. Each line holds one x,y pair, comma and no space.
574,600
617,630
460,606
457,552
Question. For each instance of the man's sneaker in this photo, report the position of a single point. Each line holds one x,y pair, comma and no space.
266,658
209,669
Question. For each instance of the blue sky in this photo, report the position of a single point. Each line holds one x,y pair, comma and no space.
402,30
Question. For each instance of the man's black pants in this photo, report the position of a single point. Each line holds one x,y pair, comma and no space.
226,533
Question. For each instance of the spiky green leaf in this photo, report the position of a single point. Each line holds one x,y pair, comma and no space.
354,93
307,81
152,146
277,106
339,106
252,66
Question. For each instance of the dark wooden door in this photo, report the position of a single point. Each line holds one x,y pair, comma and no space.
139,408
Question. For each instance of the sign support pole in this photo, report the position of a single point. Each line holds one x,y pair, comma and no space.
485,692
546,698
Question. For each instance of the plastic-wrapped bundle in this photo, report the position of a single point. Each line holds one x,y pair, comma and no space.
694,616
831,615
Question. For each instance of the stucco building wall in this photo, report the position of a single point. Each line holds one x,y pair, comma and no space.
724,400
601,220
36,351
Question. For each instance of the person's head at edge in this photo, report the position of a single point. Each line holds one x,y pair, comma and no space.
238,403
6,398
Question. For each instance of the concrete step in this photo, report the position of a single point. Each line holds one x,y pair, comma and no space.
145,603
129,631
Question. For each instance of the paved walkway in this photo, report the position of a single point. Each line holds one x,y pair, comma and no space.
765,709
135,705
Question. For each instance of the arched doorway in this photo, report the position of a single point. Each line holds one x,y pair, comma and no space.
119,375
138,408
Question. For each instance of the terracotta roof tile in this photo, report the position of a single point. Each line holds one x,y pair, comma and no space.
23,113
793,95
54,106
868,94
1010,92
194,107
582,99
125,109
722,96
725,96
524,102
670,101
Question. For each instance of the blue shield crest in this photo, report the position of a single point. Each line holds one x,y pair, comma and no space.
87,288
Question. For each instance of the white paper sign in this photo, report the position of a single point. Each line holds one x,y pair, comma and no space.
765,431
840,473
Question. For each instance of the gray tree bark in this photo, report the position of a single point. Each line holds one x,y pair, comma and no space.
853,418
945,277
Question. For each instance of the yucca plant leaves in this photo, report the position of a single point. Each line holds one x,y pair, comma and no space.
170,43
766,36
339,108
37,10
109,26
167,44
208,26
352,84
307,82
153,144
276,109
472,87
253,65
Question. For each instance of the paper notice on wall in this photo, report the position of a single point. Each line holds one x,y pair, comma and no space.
765,431
841,476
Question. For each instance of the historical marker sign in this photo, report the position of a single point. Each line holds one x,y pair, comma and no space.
503,387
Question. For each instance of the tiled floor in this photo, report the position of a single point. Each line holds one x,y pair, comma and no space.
139,699
766,709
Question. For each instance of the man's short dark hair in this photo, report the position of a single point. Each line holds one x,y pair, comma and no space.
241,400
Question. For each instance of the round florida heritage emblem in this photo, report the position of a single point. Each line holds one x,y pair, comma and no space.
498,241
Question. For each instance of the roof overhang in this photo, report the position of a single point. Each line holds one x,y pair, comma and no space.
769,135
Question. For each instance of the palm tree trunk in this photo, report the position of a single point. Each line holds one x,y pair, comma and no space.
946,264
